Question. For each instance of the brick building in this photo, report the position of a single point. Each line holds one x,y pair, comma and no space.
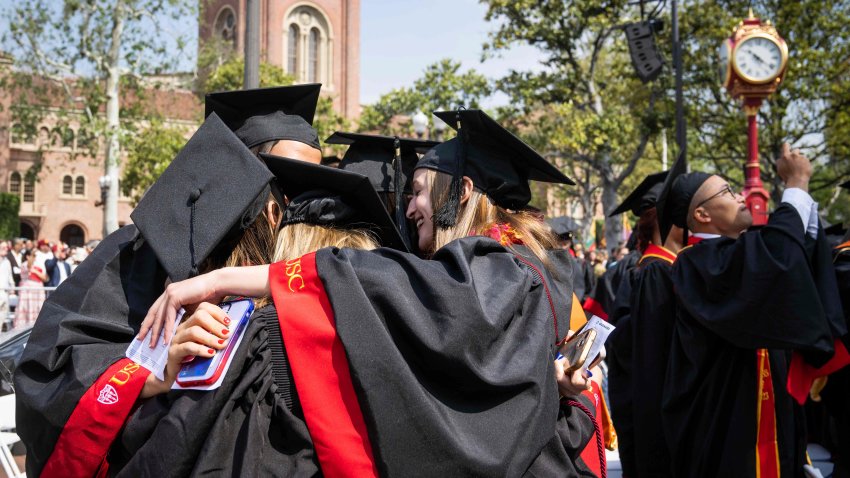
315,41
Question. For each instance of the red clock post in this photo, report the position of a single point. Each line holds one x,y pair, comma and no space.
753,62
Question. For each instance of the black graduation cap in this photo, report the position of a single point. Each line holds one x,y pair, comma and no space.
377,157
563,225
266,114
373,156
322,195
205,199
643,196
676,195
499,164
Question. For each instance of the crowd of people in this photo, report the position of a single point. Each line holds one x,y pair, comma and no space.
29,270
414,316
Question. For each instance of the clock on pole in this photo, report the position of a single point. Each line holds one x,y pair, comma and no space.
753,63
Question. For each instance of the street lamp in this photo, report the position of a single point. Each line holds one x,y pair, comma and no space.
420,123
439,128
105,183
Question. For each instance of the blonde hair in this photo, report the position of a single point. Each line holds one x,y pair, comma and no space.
295,240
479,213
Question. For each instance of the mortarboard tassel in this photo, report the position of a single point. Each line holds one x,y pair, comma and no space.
446,217
398,187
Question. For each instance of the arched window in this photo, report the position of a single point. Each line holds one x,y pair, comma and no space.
292,50
225,26
73,235
29,188
80,186
43,137
309,45
67,185
27,231
15,183
313,59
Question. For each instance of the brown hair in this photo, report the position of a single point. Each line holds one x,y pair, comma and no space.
479,213
646,226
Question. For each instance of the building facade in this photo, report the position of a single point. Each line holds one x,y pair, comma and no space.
315,41
56,176
58,183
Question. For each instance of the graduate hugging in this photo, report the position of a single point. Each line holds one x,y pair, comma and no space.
408,313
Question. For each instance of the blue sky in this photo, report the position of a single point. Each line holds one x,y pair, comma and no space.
400,37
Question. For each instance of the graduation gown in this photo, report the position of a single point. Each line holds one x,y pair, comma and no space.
446,374
644,315
740,305
604,294
74,359
836,393
450,367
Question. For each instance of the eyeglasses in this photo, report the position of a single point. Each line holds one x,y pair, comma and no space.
726,189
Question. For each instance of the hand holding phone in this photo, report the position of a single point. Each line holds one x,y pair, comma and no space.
577,349
203,371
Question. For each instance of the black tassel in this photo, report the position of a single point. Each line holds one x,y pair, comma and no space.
398,186
446,217
193,198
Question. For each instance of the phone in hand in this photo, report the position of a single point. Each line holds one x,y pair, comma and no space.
577,349
206,370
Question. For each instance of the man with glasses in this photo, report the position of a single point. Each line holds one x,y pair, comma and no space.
744,300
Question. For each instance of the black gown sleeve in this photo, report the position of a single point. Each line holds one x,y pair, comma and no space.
84,327
759,291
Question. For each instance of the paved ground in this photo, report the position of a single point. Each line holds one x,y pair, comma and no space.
820,458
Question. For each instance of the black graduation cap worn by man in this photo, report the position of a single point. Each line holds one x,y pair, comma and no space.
325,196
377,157
269,114
741,304
86,325
499,164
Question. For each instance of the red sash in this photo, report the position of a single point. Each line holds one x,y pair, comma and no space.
320,369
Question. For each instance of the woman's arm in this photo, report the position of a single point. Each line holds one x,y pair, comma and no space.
250,281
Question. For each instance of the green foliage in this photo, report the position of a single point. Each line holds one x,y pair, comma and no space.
584,108
809,109
10,225
442,86
85,65
148,154
231,74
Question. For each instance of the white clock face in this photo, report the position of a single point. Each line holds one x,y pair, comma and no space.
758,59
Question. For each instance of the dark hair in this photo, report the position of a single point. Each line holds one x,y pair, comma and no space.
645,229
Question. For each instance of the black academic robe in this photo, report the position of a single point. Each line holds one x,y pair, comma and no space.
469,391
836,393
83,329
640,347
604,294
584,280
457,381
741,304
